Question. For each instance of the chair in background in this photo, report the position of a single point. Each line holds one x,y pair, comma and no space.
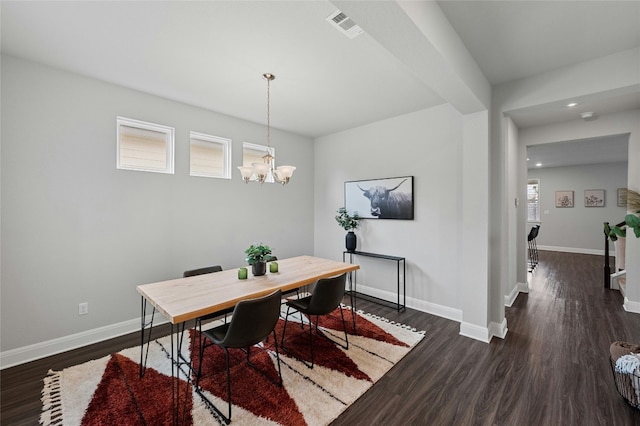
533,247
201,271
253,320
326,297
200,320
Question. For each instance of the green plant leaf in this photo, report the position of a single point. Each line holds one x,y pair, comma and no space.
347,221
258,253
617,232
633,222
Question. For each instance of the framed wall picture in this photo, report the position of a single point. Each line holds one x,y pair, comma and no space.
564,198
622,197
387,198
594,198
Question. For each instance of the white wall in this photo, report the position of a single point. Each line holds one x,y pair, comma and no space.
427,145
578,229
515,204
75,229
475,290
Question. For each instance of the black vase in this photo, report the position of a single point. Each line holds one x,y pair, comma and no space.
350,241
259,268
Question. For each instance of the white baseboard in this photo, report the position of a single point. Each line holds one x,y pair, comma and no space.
40,350
419,305
498,330
513,294
475,332
52,347
484,334
511,297
576,250
631,306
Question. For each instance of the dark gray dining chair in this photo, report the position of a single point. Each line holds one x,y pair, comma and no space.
326,297
202,271
252,321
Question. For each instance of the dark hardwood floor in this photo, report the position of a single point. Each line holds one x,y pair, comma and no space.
552,368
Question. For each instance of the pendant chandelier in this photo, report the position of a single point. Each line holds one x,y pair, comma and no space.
259,172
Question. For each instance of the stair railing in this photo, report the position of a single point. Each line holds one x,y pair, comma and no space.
607,265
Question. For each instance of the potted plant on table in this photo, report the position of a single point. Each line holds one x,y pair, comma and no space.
257,256
348,223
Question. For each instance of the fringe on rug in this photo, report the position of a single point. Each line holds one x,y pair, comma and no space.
378,317
52,399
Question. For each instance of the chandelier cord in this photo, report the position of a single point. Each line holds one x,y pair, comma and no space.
269,78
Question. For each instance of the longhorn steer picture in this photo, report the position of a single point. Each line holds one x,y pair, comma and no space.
391,201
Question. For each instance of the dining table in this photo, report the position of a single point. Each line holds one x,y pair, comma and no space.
183,299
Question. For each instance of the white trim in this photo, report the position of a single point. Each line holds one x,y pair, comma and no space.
475,332
614,280
523,287
417,304
511,297
498,330
51,347
170,141
631,306
226,154
484,334
574,250
40,350
513,294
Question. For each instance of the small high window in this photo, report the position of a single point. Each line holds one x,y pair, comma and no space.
210,156
144,146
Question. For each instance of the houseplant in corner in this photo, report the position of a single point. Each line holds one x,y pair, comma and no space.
257,256
348,223
632,220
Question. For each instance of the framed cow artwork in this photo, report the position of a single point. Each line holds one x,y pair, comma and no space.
387,198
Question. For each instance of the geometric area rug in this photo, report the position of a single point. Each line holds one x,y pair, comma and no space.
109,391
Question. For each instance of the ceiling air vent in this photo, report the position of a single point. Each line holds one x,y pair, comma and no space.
344,24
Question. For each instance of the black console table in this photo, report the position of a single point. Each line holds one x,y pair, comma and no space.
352,279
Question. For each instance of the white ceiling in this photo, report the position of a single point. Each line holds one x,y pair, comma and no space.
212,54
609,149
515,39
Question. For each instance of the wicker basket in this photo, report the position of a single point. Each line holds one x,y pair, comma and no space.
628,385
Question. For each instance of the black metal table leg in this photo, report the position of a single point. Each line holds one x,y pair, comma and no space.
143,326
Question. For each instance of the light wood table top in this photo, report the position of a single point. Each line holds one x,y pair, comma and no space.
184,299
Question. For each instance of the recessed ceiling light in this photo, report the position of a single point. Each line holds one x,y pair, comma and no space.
588,116
527,158
572,104
538,164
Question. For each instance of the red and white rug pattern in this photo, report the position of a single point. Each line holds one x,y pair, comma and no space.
109,391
